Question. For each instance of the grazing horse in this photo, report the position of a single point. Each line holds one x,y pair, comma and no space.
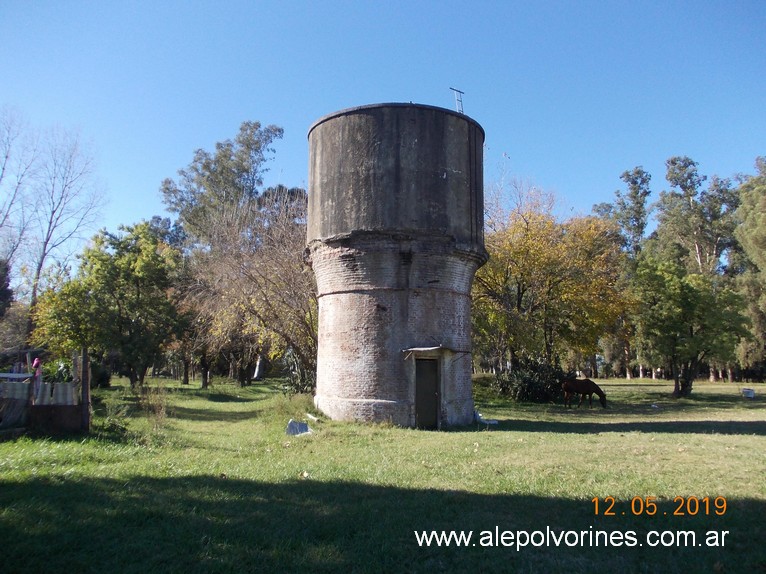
572,386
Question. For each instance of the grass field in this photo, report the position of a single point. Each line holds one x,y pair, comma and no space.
185,480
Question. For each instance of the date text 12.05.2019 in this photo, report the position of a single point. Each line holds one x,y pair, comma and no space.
651,506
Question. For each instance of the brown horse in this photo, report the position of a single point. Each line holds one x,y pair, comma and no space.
573,386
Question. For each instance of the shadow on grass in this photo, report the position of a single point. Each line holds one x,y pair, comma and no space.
621,404
644,401
683,427
234,393
185,413
226,398
215,524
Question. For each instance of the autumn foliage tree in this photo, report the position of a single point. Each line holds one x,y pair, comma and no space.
550,287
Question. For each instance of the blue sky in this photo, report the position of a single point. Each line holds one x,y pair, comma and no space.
570,93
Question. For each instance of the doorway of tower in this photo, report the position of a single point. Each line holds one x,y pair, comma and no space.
426,393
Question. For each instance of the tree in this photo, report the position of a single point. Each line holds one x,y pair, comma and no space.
276,286
696,228
69,319
698,223
630,214
13,328
120,301
684,318
6,294
216,190
67,202
548,286
252,293
505,290
594,298
752,216
751,234
629,210
751,350
18,162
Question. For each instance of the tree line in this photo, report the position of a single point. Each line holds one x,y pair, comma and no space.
221,287
600,293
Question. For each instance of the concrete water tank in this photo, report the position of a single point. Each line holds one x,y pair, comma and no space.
395,235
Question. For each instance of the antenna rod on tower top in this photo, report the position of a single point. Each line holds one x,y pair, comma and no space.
458,100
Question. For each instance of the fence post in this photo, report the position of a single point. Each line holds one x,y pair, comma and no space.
85,379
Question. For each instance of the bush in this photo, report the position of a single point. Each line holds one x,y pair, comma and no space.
154,401
100,377
300,380
59,371
535,382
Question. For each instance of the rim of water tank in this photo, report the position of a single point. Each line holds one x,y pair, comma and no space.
356,109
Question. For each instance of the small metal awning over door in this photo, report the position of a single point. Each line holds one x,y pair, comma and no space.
425,351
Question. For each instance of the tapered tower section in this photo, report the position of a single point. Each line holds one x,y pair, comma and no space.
395,235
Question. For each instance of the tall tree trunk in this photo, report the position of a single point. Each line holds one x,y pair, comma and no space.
243,374
33,297
204,371
676,380
185,376
232,366
687,380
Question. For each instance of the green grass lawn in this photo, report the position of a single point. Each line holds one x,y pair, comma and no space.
185,480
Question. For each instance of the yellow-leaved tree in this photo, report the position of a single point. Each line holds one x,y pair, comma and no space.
550,286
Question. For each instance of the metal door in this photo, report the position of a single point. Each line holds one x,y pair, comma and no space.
426,393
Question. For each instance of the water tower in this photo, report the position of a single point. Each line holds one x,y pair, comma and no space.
395,235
